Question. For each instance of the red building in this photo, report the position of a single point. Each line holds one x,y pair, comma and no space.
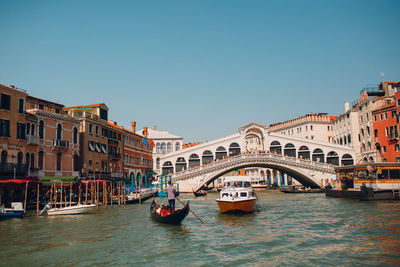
386,131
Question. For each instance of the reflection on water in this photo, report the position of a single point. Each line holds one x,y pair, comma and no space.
293,229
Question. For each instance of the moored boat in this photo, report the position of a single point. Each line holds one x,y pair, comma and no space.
302,191
372,181
237,195
72,210
140,196
200,193
16,211
174,218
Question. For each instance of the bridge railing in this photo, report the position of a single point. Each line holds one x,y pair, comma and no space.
255,155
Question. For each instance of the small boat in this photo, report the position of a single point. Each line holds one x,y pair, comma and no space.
145,194
237,195
16,211
200,193
174,218
76,209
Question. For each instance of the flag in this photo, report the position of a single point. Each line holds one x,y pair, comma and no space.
2,209
146,142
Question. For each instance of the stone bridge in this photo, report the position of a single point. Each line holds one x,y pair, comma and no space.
307,172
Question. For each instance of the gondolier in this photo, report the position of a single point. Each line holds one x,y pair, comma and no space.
171,196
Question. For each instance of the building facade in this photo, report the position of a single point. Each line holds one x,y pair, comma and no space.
56,136
316,126
12,132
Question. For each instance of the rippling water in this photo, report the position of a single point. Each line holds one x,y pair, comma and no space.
287,229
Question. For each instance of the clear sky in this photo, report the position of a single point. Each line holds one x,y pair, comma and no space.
200,69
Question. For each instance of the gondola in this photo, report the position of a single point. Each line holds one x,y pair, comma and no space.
200,193
173,218
296,191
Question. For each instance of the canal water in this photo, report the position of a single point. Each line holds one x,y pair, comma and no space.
286,229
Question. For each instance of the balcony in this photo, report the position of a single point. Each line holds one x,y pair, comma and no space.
60,143
30,139
8,170
114,156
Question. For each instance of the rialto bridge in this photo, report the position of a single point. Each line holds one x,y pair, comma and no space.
309,161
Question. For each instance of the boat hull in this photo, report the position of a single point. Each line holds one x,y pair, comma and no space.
80,209
237,206
144,198
174,218
10,213
364,194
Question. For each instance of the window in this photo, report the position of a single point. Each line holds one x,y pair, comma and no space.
381,116
177,146
90,128
41,106
28,129
396,147
59,155
59,131
349,139
40,160
169,147
376,133
21,108
387,131
386,116
384,148
20,130
57,110
103,114
4,156
375,117
119,137
75,136
5,101
367,117
33,130
311,128
41,129
97,130
4,128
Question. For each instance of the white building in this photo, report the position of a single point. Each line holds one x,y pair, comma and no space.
311,126
164,143
346,129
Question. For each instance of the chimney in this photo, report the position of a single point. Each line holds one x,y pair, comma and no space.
12,86
155,128
133,123
346,106
145,131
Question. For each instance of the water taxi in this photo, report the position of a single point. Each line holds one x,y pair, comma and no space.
259,183
370,181
237,195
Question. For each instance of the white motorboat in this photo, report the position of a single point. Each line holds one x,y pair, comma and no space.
76,209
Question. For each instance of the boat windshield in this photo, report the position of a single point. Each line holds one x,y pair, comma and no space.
247,184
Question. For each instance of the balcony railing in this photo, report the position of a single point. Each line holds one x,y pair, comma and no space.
8,169
60,143
30,139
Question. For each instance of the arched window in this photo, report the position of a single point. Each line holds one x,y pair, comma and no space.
28,128
4,156
207,157
41,129
59,155
276,147
75,135
32,160
194,161
163,147
332,158
177,146
318,155
20,157
40,160
304,152
158,148
33,130
220,153
59,131
167,168
169,147
157,163
347,160
234,149
180,164
349,139
76,163
27,158
289,150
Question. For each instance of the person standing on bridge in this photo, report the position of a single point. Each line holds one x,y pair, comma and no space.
171,196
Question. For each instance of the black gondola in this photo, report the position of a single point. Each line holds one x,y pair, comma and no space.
200,193
296,191
173,218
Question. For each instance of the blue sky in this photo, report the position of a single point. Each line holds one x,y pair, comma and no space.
200,69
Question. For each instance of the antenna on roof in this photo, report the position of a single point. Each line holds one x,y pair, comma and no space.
382,76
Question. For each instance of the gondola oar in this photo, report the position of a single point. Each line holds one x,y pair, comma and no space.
190,210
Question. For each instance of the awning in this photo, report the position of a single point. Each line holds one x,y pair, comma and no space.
49,180
150,172
17,181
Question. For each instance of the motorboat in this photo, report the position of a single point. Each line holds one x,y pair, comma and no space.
71,210
237,195
16,211
142,195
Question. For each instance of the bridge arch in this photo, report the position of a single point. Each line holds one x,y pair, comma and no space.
207,157
275,147
180,164
234,149
220,153
318,155
276,167
167,168
290,150
304,152
194,160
